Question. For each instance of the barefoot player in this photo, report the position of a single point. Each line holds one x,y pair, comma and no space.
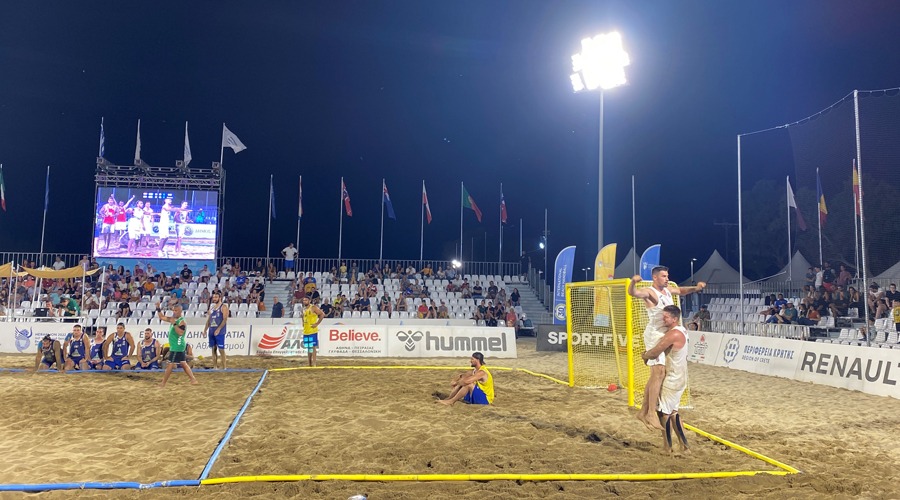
674,344
181,221
177,344
312,316
215,325
77,348
164,212
148,352
657,296
49,353
122,348
475,388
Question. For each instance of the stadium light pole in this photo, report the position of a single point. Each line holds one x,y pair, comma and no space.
600,65
692,271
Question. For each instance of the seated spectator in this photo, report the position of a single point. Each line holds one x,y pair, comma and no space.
205,273
465,294
515,297
855,299
701,318
354,270
451,273
525,326
477,290
440,273
297,296
492,291
385,303
410,270
895,314
90,301
501,295
59,264
828,276
427,272
259,269
780,302
808,317
481,311
432,310
364,303
327,308
892,294
314,297
260,305
401,305
839,302
226,269
789,314
422,311
772,316
186,274
770,300
260,287
272,272
343,272
355,302
511,320
443,313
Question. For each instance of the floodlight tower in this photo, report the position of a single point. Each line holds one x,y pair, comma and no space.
600,65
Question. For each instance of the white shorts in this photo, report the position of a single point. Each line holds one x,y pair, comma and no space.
651,338
106,228
179,229
669,399
121,226
163,230
134,230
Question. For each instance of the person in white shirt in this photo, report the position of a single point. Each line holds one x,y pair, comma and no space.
204,273
59,264
289,253
820,276
410,271
226,269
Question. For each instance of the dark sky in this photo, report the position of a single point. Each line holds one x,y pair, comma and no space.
370,90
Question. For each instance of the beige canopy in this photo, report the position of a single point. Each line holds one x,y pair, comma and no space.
70,272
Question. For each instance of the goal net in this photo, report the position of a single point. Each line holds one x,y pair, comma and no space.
605,339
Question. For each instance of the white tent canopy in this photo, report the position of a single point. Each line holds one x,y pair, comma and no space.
626,268
892,273
798,268
716,270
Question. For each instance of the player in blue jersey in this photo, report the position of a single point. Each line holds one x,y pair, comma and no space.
120,346
98,353
49,353
148,352
215,325
76,349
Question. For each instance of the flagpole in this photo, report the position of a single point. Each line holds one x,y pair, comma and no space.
819,213
790,253
422,230
862,216
299,211
341,227
222,149
856,222
500,256
381,245
520,238
269,237
633,231
44,225
461,188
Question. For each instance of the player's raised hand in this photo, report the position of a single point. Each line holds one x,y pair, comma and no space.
637,278
701,285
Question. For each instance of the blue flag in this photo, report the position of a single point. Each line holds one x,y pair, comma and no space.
562,275
386,198
272,197
47,190
649,260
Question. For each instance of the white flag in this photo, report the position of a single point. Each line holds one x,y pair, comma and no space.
229,140
791,202
137,147
187,146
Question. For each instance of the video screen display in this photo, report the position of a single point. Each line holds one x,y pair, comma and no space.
155,224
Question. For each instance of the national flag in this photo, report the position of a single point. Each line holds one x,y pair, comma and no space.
792,203
823,211
468,202
272,197
102,139
300,203
502,206
47,190
425,202
187,146
386,198
346,197
229,140
3,191
137,147
856,192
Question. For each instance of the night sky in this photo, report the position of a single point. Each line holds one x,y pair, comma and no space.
469,91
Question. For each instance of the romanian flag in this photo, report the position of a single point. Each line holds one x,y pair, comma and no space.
823,211
856,192
468,202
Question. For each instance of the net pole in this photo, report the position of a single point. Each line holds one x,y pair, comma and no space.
569,335
381,245
633,232
862,226
629,343
740,234
341,227
819,218
790,253
856,222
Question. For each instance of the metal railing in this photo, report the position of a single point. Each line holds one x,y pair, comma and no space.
45,259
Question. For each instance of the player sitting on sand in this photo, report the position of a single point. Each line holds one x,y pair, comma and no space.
76,347
148,356
475,388
49,353
674,344
656,297
122,344
177,344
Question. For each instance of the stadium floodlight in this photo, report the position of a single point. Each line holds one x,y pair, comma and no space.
456,264
601,64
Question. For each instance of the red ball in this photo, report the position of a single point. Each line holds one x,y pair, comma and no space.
612,387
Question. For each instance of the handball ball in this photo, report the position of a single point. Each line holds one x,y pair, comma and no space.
199,357
612,387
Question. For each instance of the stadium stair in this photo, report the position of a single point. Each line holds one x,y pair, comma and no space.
531,306
280,289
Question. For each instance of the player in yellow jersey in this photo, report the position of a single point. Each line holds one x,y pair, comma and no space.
312,316
475,388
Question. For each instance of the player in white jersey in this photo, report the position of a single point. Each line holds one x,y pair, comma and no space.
135,227
656,297
164,212
674,343
147,231
181,222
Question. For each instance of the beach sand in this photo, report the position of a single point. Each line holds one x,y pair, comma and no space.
385,421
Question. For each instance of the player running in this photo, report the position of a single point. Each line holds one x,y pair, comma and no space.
148,357
177,344
76,347
98,353
674,344
312,316
122,348
656,297
215,325
49,353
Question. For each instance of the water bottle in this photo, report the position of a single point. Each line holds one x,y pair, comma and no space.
357,497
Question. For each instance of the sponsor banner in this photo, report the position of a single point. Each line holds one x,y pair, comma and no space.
168,266
553,338
334,340
866,369
562,275
16,337
703,347
415,341
763,355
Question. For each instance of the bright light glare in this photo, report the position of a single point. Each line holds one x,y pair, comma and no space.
541,245
601,63
457,264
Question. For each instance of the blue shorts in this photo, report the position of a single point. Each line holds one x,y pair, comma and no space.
476,397
152,366
48,365
217,340
117,363
311,341
100,366
288,264
77,362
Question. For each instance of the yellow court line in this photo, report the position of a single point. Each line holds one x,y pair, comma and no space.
486,477
403,367
738,447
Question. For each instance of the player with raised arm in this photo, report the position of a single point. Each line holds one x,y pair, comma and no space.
177,344
122,220
120,345
656,297
76,347
215,325
312,316
108,218
674,344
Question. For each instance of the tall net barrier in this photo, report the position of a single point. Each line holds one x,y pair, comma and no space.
605,332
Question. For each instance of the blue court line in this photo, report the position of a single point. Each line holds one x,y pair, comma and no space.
98,486
195,370
231,428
